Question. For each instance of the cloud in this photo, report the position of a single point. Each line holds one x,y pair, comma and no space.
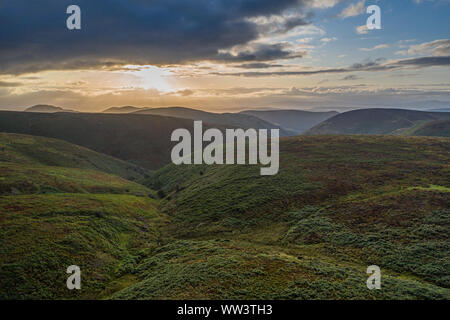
424,62
378,47
258,65
34,36
362,29
351,77
258,52
376,65
5,84
439,47
324,4
353,10
325,40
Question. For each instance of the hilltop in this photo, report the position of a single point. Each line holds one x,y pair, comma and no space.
297,121
125,109
44,108
375,121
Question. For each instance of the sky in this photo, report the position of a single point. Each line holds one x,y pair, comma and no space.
225,55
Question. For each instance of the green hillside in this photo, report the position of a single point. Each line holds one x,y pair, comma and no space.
375,121
60,205
338,205
18,179
33,150
439,128
41,235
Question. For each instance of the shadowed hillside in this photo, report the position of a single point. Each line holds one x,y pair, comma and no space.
297,121
375,121
34,150
238,120
30,164
141,139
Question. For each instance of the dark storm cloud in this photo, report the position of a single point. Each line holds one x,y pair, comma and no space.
33,34
260,52
258,65
425,61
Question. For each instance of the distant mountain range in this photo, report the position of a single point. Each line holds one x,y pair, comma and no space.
125,109
375,121
297,121
109,124
45,108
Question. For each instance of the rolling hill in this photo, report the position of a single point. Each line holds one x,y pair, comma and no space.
297,121
375,121
60,205
140,139
238,120
439,128
125,109
44,108
34,150
32,165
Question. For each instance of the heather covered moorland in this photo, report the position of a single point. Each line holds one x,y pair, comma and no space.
338,204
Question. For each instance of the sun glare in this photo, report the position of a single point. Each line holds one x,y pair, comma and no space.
151,77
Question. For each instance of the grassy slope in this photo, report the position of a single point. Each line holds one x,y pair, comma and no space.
30,164
440,128
41,235
55,211
31,179
33,150
338,205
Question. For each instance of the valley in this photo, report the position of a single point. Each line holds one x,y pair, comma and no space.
338,204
